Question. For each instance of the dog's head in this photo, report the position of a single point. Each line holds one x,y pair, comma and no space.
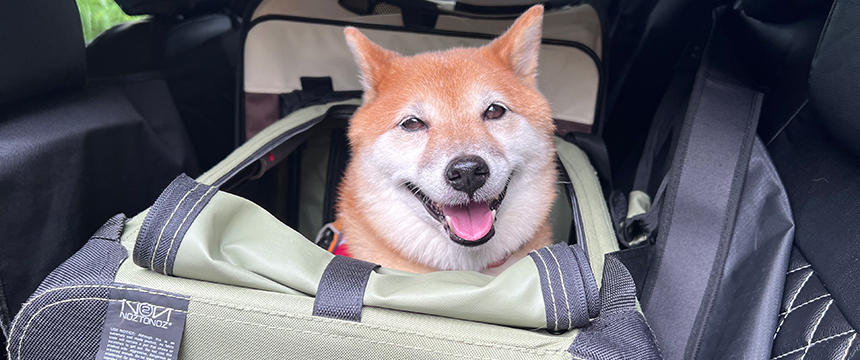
455,146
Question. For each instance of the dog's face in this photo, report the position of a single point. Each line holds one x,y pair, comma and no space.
454,147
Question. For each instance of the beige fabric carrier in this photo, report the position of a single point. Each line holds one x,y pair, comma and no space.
288,40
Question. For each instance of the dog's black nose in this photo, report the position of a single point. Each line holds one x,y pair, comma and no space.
467,173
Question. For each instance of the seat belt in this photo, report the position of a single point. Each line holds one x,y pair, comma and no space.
637,214
702,190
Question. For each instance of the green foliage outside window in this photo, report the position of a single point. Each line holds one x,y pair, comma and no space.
100,15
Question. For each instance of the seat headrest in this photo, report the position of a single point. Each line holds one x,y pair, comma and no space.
834,79
43,48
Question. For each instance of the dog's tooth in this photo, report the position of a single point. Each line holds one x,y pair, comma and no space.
494,215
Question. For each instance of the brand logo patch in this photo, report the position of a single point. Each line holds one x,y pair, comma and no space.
146,313
142,324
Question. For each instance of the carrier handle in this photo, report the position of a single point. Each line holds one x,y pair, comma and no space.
569,289
340,294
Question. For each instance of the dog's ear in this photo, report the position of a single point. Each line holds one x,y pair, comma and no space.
519,46
371,58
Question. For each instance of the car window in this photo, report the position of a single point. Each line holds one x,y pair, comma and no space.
100,15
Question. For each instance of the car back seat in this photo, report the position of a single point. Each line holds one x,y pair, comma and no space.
72,151
196,54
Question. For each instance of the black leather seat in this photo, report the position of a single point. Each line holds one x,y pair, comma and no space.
816,148
73,151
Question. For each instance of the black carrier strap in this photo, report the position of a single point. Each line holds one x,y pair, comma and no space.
570,292
620,332
340,294
698,209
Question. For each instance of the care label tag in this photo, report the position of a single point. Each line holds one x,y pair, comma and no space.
142,324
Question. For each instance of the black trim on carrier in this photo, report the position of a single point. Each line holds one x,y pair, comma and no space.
167,221
338,157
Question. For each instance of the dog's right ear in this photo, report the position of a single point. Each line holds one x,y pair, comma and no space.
371,58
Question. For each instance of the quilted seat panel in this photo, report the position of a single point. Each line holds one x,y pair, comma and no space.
811,325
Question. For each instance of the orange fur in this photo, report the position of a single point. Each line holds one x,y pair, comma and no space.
392,82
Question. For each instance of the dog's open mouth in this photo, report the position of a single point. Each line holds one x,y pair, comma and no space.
467,224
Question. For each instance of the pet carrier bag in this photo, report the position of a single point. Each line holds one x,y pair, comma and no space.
208,274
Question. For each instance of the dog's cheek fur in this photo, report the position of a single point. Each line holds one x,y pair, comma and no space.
397,220
398,217
420,238
400,221
396,154
532,187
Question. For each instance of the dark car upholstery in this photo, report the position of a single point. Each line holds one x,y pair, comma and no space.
73,150
818,157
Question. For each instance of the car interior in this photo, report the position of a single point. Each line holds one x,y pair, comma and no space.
92,129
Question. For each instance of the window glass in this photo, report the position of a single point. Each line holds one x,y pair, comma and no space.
100,15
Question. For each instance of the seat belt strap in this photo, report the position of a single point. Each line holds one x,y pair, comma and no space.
636,214
701,199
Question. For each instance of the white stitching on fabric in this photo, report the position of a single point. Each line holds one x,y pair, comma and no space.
549,285
813,344
791,302
848,348
792,308
563,288
807,302
799,268
308,318
173,238
161,233
27,326
59,302
815,328
27,304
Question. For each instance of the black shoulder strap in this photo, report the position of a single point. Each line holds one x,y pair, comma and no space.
698,209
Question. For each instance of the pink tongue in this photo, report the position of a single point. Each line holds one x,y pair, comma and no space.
470,222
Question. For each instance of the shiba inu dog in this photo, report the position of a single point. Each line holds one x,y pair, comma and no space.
453,159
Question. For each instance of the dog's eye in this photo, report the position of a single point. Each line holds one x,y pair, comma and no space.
494,111
413,124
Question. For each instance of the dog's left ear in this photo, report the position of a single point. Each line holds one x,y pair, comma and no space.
519,46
